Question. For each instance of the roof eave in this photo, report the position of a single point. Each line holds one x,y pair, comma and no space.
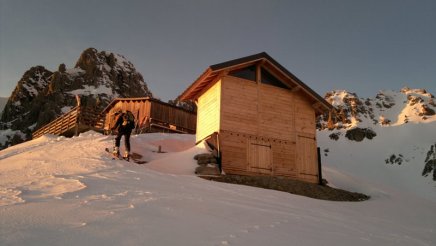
191,93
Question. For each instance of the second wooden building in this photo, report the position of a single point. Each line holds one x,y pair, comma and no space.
151,115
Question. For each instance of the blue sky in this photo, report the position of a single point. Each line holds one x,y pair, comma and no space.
360,46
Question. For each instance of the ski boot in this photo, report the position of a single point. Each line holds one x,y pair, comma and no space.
126,155
116,152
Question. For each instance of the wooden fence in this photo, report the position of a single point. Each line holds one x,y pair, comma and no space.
77,120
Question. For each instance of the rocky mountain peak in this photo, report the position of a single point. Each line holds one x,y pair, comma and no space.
92,61
386,108
393,128
41,95
29,87
32,83
88,59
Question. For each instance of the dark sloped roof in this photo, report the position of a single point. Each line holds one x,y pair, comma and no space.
212,74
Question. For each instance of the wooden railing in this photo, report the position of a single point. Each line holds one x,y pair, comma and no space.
73,122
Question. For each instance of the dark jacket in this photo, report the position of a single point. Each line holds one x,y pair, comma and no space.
124,124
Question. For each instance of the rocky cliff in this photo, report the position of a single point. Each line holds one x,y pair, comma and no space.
42,95
395,129
387,108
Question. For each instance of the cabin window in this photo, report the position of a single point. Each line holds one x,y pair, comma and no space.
245,73
268,78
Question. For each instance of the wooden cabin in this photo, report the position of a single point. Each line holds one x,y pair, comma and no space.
151,115
260,118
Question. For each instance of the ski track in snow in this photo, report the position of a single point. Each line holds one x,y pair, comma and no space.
72,193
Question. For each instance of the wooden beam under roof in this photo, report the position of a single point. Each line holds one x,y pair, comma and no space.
316,105
296,88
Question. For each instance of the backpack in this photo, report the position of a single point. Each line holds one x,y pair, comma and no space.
129,122
130,116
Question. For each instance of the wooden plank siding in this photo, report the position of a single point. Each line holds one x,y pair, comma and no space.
172,116
305,119
276,112
239,109
259,125
208,114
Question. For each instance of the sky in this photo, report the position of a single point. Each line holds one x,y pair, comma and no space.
359,46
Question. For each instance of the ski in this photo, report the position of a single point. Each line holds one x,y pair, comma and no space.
135,157
112,155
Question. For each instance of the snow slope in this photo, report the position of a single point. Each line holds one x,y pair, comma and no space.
59,191
367,159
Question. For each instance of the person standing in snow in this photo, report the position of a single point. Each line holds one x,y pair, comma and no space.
124,126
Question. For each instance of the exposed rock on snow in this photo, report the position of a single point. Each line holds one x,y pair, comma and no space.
394,159
358,134
207,164
430,163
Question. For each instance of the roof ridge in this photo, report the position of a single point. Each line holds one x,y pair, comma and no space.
257,56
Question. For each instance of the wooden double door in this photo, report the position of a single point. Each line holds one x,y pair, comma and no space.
260,159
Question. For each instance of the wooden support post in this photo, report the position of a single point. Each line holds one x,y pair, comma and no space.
218,152
434,162
258,73
319,166
76,130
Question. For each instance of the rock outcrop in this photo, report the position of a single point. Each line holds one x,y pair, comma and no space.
430,163
207,164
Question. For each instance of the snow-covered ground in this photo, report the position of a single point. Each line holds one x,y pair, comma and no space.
367,159
60,191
